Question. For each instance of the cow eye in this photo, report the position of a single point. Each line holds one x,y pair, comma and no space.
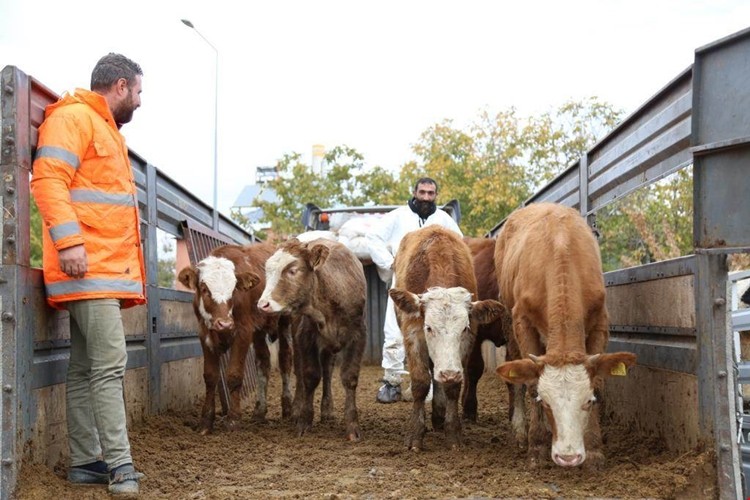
292,271
589,404
428,329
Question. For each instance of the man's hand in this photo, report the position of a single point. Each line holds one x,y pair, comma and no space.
73,261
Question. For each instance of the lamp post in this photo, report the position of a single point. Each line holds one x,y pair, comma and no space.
190,25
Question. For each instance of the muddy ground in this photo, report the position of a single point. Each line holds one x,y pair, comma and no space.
265,460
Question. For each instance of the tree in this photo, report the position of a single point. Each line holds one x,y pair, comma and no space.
652,224
165,266
35,235
346,183
499,161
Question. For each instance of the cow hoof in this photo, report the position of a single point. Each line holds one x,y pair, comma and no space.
204,431
258,417
353,436
470,417
594,461
231,425
286,409
326,418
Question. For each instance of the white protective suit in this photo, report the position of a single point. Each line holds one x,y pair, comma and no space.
383,242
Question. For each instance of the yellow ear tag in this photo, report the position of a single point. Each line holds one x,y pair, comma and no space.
512,374
619,370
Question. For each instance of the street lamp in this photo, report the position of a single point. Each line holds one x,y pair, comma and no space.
190,25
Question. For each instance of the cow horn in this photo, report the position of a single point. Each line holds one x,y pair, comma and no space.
536,359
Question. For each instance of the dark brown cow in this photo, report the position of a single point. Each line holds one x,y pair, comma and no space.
499,332
322,285
228,283
439,321
550,276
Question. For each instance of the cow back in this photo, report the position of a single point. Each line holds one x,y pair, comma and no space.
548,259
434,257
341,278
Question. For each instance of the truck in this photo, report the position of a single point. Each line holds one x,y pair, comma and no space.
673,314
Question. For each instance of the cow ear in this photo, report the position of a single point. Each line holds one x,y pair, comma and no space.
603,365
486,311
408,302
520,371
318,255
247,280
189,278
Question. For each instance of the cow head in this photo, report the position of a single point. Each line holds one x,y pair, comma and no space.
289,276
449,319
566,393
215,280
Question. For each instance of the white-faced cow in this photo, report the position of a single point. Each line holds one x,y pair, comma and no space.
499,332
227,284
321,283
436,314
550,276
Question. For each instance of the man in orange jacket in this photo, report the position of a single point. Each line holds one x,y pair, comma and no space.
93,263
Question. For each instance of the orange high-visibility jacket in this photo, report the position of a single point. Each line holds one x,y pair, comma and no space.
84,187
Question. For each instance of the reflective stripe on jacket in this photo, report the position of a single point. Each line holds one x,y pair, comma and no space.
84,187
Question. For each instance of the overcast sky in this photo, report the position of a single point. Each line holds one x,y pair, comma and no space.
371,75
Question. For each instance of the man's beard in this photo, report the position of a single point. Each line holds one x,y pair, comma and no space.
124,113
425,208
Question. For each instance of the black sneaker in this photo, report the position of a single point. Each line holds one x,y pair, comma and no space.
93,473
389,393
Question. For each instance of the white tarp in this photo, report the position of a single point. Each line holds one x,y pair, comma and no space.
350,229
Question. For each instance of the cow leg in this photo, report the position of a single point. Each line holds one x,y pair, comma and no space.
539,436
472,374
210,378
235,375
326,401
285,366
438,406
516,399
263,369
421,379
307,355
517,412
453,428
350,365
592,439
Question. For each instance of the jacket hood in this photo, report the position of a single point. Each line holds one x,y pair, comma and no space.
82,96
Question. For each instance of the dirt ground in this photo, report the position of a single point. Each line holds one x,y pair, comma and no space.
266,460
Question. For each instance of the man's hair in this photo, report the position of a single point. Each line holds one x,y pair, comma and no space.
111,68
426,180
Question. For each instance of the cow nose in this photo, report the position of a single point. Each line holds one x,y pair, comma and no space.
450,376
568,460
264,305
223,324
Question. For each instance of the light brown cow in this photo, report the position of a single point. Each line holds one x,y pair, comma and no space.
439,321
499,332
550,276
227,284
322,285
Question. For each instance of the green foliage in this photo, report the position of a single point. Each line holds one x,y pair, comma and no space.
491,167
35,235
165,266
500,160
649,225
346,183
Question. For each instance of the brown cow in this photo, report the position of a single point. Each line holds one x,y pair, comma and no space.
439,321
550,276
499,332
228,283
322,285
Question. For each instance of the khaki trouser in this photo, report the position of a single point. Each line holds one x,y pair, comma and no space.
95,396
